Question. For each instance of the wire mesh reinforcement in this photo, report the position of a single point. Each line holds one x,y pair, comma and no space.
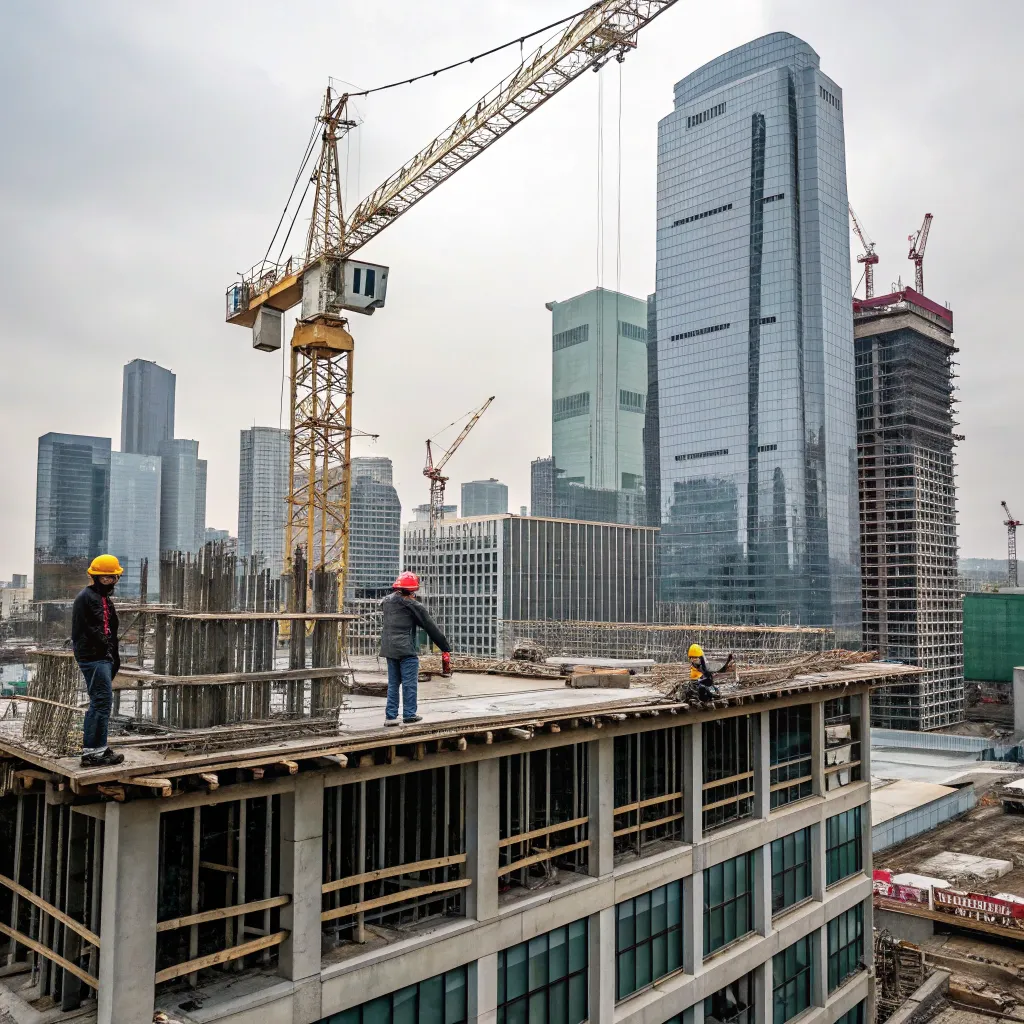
56,725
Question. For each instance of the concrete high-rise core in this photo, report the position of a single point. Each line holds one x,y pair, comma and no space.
756,409
263,494
912,601
484,498
72,491
147,407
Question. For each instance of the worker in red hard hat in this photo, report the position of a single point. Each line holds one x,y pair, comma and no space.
403,614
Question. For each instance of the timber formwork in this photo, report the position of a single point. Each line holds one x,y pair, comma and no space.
905,443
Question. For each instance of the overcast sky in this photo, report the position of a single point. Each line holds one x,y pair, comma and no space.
147,150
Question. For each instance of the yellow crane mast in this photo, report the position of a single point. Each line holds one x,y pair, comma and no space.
327,283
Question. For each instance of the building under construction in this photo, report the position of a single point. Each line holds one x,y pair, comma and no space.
270,852
912,604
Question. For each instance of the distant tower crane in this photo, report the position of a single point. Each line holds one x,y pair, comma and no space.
916,254
1011,525
329,284
432,471
868,257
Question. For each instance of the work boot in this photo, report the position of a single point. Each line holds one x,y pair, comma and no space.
412,719
391,721
102,760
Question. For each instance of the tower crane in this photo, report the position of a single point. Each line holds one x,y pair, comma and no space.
432,471
868,257
328,283
1011,525
918,243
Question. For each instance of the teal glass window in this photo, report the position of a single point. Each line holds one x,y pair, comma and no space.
845,945
843,853
438,1000
790,754
544,981
855,1015
791,980
728,901
648,938
791,869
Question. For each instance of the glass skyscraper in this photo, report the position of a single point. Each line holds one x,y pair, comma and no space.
133,524
72,482
755,361
182,496
375,530
263,494
147,407
484,498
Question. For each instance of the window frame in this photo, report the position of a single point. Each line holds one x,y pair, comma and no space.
852,951
838,848
671,891
731,790
355,1014
793,869
796,985
790,757
726,902
531,991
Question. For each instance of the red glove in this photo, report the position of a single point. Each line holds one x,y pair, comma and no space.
446,663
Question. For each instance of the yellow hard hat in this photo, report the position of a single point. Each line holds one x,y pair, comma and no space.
105,565
695,651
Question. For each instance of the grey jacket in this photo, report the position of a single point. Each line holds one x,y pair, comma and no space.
401,617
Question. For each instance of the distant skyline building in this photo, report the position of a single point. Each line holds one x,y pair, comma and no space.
147,407
552,494
421,513
72,488
264,454
484,498
755,367
375,530
913,604
599,389
133,523
182,496
504,568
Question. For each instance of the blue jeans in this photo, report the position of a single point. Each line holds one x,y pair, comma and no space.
404,672
98,681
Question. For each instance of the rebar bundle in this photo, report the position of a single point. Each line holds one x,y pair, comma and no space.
55,721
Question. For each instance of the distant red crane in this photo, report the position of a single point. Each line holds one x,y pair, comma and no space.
916,254
1011,525
869,257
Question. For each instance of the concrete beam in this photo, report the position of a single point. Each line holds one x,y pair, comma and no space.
131,858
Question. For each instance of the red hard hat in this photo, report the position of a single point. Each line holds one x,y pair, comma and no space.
406,581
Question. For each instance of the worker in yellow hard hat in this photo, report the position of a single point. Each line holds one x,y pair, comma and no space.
698,666
94,637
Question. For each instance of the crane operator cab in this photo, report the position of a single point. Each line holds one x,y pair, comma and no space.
330,287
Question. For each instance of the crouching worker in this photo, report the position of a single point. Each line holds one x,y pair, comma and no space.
94,637
403,614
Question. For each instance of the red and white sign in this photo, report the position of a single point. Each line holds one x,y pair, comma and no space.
973,904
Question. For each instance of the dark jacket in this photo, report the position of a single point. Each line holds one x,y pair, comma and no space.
93,642
402,615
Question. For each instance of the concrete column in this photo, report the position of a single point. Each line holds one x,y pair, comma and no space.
818,869
302,818
819,971
762,764
763,890
483,990
482,810
763,1010
693,780
601,964
601,791
131,858
693,923
697,1012
869,944
861,713
818,748
867,856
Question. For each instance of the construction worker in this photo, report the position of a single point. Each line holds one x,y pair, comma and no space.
403,614
94,637
702,679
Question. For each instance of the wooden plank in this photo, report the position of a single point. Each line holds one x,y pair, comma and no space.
392,872
212,959
832,769
643,826
227,868
222,913
395,897
728,800
130,680
555,851
90,936
148,781
731,778
547,830
39,948
647,803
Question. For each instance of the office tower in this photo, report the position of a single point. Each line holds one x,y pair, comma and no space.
599,389
913,609
552,494
133,523
263,494
500,569
375,530
19,580
484,498
182,496
147,407
755,367
72,485
652,428
421,513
